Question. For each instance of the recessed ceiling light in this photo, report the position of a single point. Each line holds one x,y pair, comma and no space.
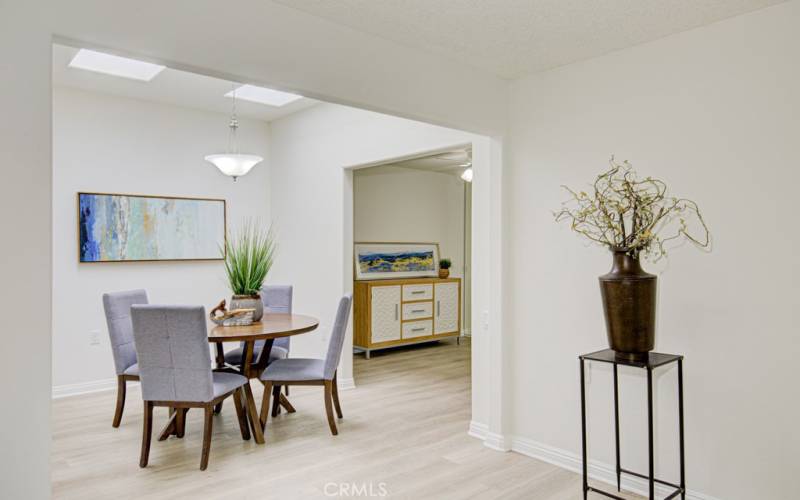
115,65
264,95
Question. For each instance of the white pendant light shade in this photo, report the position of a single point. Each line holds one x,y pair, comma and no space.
467,175
234,164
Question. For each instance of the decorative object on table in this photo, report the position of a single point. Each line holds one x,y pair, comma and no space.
395,260
232,162
123,227
444,268
248,255
235,317
632,217
389,313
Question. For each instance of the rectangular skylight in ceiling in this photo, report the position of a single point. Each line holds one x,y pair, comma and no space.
264,95
115,65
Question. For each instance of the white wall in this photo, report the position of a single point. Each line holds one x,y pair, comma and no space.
404,204
25,252
311,194
103,143
715,112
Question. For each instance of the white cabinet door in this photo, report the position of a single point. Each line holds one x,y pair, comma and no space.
445,317
385,313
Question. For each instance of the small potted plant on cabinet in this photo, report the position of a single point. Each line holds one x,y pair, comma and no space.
444,268
248,258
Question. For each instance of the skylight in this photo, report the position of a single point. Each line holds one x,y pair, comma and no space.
115,65
263,95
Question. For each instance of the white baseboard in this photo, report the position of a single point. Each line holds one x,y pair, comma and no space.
478,430
497,442
599,471
63,391
490,439
346,384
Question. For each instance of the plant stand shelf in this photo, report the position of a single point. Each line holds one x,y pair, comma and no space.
653,361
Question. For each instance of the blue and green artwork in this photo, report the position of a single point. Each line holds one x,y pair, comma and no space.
396,260
134,228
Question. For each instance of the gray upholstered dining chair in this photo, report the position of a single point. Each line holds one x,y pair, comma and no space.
117,306
305,371
175,372
276,299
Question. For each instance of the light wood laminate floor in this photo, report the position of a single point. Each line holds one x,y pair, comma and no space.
404,435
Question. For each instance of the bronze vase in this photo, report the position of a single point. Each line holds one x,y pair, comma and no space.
629,303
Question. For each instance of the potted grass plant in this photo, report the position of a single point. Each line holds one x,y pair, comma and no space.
444,268
633,218
248,255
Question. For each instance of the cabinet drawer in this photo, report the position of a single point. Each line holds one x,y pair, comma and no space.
417,310
417,292
417,329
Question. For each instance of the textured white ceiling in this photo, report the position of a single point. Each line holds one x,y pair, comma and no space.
171,86
511,38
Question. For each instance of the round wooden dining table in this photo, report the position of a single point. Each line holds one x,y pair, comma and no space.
271,327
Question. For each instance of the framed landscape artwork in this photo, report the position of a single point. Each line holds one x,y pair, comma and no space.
396,260
130,228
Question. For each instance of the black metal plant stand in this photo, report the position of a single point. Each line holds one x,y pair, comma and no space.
653,361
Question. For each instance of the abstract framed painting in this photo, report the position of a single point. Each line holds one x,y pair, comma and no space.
140,228
375,261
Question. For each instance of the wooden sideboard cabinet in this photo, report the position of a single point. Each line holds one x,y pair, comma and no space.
390,313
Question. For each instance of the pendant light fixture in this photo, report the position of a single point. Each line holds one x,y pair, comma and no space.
232,162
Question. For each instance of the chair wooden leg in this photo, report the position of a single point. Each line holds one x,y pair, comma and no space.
265,403
252,414
207,427
147,431
180,422
329,407
286,389
286,404
121,387
170,428
220,366
276,400
335,394
240,414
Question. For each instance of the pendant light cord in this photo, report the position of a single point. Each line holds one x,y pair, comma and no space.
234,124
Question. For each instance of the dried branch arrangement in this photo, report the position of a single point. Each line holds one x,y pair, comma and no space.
625,213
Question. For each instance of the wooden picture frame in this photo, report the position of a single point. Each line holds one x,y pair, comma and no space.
118,227
390,260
